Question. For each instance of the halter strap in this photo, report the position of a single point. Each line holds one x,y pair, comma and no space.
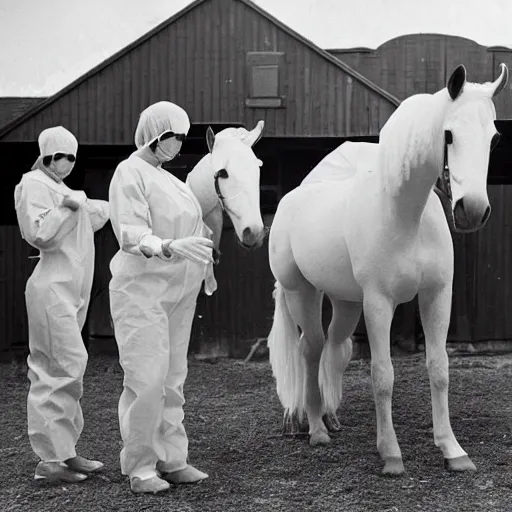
222,174
443,183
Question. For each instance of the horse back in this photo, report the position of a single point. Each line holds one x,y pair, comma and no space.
344,162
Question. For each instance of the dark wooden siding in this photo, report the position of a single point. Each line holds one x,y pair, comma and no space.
422,63
13,107
242,308
199,62
483,275
482,289
15,269
239,312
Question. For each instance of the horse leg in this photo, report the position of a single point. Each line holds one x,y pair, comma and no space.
435,308
378,314
336,355
305,306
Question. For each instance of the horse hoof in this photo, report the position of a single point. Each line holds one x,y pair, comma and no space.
293,426
393,466
463,463
319,439
332,423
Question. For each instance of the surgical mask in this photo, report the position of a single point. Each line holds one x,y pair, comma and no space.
62,168
163,155
167,149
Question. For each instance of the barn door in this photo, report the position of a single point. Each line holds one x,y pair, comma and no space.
4,317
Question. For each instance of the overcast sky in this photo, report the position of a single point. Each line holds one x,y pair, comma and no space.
46,44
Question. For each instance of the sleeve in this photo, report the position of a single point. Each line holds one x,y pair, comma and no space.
98,212
43,221
129,213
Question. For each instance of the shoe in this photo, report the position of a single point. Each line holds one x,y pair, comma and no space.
57,472
83,465
149,485
188,475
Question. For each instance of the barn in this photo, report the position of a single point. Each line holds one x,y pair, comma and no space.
230,63
227,62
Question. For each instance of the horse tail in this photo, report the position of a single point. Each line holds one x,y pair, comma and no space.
285,359
335,358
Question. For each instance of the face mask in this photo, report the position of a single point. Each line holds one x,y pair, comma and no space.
167,150
62,168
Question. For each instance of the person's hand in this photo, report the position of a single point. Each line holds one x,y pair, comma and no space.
195,248
74,200
150,246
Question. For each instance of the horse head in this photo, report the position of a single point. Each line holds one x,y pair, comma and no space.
236,180
469,136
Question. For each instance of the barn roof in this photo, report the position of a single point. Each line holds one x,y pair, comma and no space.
342,66
422,63
13,107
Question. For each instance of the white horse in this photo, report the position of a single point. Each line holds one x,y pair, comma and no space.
228,179
370,240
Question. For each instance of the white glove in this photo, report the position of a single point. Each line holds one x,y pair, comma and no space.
195,248
150,245
74,200
210,283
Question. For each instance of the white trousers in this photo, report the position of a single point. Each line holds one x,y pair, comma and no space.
153,339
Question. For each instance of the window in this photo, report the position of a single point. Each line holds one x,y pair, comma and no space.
265,81
264,77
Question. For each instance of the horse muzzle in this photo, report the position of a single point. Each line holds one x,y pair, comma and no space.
252,238
470,214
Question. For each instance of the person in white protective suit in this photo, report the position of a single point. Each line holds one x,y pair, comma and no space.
60,223
165,250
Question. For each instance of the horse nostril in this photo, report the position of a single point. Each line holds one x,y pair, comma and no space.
246,233
486,216
459,207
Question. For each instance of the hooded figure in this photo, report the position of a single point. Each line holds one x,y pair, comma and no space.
60,223
156,277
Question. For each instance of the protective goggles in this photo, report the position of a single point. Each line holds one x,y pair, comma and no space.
47,160
168,134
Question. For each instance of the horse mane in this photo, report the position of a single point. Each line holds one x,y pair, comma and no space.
200,180
411,138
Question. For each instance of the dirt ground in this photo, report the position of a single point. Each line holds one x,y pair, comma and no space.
233,419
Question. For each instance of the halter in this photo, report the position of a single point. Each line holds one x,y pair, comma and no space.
443,183
222,174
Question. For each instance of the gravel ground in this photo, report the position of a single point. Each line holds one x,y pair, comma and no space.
233,419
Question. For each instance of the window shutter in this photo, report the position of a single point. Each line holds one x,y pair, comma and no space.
265,70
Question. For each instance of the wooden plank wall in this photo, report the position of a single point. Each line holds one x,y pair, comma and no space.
15,269
483,275
199,62
242,308
422,63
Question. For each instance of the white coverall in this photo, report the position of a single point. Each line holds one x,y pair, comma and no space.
57,298
152,304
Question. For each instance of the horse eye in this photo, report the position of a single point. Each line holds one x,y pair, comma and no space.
494,141
221,173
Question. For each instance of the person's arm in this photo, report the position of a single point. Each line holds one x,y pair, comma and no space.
130,214
43,220
98,212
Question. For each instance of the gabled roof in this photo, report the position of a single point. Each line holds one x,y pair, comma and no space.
323,53
12,107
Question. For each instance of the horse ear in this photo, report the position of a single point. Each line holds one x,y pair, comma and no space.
210,138
456,82
255,134
500,83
